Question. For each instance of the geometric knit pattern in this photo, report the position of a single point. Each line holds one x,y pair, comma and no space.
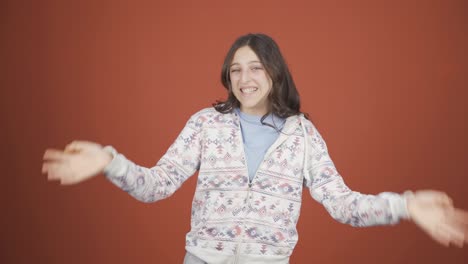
232,216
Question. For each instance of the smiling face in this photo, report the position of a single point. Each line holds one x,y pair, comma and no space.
250,82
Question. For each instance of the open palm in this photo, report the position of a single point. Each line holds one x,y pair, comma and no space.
435,214
79,161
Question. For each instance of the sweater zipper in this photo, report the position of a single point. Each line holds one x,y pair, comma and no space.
250,182
247,203
249,187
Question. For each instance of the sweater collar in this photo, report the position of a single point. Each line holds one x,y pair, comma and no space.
270,119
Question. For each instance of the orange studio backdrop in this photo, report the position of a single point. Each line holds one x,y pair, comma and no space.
385,82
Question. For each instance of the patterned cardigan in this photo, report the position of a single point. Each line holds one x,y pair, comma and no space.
237,221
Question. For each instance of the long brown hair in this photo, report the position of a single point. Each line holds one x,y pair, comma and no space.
283,98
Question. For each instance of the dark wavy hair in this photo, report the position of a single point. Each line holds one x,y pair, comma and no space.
283,98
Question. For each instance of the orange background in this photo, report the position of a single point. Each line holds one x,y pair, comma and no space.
384,81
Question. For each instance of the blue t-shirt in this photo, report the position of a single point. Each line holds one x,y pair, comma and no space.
258,137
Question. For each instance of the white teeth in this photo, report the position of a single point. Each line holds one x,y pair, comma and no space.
248,90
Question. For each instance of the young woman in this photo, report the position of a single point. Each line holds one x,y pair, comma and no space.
254,152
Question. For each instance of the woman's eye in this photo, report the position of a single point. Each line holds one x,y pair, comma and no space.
257,68
234,70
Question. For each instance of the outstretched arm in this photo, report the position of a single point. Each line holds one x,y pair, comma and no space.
181,161
81,160
344,205
432,211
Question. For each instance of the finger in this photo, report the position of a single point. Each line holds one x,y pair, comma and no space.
78,145
74,146
57,171
455,236
44,167
442,199
458,219
54,155
461,221
460,216
441,237
68,181
464,229
52,169
465,233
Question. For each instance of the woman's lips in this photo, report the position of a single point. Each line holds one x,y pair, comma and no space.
248,90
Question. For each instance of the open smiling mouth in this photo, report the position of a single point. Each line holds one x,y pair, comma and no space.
248,90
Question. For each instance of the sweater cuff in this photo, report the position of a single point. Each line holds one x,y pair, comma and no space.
118,166
406,195
399,206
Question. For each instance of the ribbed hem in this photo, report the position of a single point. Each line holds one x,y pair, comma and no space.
406,195
214,257
118,166
398,207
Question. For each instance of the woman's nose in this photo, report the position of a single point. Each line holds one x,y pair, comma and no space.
245,76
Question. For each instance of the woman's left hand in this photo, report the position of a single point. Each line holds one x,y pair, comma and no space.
434,213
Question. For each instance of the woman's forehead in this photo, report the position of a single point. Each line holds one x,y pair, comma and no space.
245,55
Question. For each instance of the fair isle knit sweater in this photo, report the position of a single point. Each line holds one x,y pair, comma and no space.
237,221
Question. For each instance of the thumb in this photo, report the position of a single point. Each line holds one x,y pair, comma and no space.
77,146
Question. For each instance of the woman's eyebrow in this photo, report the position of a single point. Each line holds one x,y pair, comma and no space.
250,62
255,61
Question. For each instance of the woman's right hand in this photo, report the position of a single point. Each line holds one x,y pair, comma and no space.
80,160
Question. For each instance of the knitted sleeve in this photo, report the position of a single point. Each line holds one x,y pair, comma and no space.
181,161
344,205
